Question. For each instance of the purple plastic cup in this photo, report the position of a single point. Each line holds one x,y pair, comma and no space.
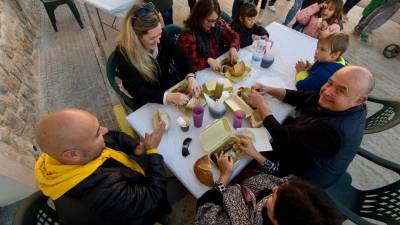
238,117
198,112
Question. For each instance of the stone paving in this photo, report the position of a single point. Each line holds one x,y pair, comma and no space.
72,75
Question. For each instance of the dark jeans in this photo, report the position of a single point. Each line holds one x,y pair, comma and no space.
349,5
238,3
167,15
191,3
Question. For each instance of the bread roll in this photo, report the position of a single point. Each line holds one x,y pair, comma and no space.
159,116
203,172
238,69
244,92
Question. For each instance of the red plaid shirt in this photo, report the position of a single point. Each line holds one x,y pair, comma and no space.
187,42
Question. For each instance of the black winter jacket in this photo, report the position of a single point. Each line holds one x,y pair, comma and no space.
172,66
246,34
320,144
116,195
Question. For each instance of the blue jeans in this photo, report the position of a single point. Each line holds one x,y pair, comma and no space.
167,16
292,12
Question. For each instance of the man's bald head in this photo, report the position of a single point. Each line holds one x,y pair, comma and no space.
361,77
348,87
66,130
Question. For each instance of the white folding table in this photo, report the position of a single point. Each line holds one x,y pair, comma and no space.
290,46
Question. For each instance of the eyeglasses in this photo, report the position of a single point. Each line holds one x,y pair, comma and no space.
147,8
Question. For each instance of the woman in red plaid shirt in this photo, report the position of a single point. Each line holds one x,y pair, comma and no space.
207,36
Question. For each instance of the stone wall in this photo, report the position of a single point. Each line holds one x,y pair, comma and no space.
18,92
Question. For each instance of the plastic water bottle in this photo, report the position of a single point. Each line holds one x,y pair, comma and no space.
268,57
259,49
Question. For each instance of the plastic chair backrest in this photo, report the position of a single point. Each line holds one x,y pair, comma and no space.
111,74
34,210
226,17
381,204
173,31
385,118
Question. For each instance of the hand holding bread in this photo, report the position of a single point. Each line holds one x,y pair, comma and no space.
152,140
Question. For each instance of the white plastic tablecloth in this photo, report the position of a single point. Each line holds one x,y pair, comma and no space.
290,46
113,7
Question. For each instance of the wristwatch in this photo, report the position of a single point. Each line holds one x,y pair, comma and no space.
220,187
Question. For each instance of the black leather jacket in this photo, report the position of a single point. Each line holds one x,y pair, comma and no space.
114,194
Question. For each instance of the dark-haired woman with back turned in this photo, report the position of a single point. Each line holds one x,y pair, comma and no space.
263,199
145,57
207,36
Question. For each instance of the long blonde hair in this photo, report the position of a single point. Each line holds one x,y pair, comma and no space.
134,27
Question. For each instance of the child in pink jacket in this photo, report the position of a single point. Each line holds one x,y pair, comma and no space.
320,20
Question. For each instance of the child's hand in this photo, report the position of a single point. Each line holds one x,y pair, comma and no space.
322,5
255,37
308,65
300,66
323,25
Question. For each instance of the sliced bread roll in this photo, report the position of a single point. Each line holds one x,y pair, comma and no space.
203,172
159,116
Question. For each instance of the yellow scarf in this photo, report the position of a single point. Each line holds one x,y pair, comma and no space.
55,178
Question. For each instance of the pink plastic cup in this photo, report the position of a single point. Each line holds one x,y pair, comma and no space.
198,112
238,117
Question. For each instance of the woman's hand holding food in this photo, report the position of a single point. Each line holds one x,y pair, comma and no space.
214,64
193,90
232,55
177,98
225,165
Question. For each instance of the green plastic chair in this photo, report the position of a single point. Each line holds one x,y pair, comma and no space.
112,72
173,31
225,16
385,118
381,204
34,210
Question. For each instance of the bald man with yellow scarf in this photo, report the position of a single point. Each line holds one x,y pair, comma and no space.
91,175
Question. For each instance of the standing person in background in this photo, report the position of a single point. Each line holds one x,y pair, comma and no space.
292,12
305,4
207,36
348,5
191,4
244,25
261,13
376,18
165,8
321,19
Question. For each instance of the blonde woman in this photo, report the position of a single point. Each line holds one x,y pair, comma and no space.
145,55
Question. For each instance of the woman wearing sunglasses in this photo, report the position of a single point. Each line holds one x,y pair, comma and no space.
148,60
207,36
263,199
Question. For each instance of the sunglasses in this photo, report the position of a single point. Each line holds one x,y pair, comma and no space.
147,8
249,2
